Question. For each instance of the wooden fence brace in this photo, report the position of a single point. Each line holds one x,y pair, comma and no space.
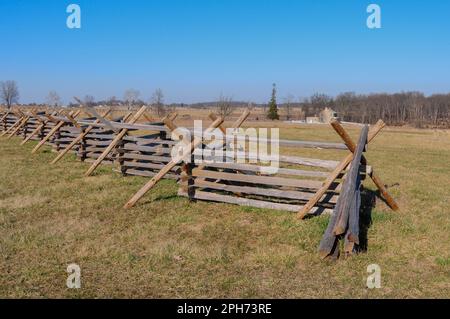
100,118
329,245
54,120
4,116
168,121
53,131
78,139
4,121
335,173
19,113
123,119
162,135
377,181
235,126
148,117
186,168
18,127
114,142
73,120
186,178
25,118
12,126
166,169
43,122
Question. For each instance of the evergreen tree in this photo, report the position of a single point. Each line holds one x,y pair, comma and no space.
272,114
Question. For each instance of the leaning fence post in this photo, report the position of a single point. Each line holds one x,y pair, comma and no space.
339,222
186,181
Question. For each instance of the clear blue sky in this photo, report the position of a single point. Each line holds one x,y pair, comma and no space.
194,50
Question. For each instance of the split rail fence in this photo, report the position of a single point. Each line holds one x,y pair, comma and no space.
306,186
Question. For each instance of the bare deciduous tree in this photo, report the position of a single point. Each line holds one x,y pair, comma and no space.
9,93
89,100
131,96
157,101
112,101
224,106
53,99
288,101
394,109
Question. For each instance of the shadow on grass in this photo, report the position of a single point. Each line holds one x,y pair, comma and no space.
368,200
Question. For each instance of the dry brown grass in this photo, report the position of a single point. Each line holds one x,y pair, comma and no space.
167,247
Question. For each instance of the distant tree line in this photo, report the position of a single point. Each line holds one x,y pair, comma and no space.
412,108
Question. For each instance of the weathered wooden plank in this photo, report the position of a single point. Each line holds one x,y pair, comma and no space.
109,137
100,119
96,155
145,139
329,239
146,165
148,149
312,162
263,169
269,192
144,157
338,223
64,140
351,184
98,142
265,180
95,149
253,202
294,143
352,234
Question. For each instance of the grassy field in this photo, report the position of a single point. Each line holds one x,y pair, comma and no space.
52,216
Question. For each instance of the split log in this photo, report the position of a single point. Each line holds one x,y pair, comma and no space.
351,184
339,219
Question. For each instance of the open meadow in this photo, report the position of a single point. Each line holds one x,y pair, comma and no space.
168,247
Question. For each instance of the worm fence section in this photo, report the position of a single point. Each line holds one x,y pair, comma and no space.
302,185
